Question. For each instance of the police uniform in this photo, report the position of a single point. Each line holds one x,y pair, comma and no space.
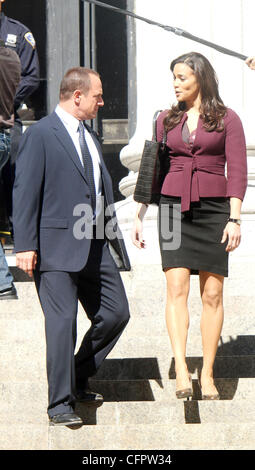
19,38
10,70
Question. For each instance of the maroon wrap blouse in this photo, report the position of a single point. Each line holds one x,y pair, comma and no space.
199,170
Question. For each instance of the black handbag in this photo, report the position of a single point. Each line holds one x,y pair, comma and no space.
153,168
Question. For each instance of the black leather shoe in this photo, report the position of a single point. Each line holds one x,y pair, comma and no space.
65,419
87,396
10,293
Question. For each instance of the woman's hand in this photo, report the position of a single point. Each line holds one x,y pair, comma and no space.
137,234
137,231
232,233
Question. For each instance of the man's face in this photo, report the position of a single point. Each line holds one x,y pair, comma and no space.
93,100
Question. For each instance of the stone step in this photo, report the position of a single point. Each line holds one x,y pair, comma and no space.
23,330
235,354
238,263
164,390
210,436
131,345
141,412
166,437
170,413
238,334
142,304
134,380
30,397
136,368
238,314
28,339
132,357
150,305
241,307
152,368
236,320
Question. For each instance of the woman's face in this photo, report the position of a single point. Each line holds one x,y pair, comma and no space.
186,86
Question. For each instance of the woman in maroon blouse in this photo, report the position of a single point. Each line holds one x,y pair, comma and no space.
199,209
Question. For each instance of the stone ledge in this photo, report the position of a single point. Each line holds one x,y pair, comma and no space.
211,436
33,394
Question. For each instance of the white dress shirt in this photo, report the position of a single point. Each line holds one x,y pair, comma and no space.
71,124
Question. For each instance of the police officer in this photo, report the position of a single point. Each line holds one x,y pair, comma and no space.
10,70
20,39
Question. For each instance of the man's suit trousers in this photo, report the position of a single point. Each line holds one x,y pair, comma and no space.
100,290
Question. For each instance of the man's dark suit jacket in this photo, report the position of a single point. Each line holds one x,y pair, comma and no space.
50,182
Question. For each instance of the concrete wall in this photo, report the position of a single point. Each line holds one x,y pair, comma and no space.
229,24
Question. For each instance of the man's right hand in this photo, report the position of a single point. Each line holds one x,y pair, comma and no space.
26,260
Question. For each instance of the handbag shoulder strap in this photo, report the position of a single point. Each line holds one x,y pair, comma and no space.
155,117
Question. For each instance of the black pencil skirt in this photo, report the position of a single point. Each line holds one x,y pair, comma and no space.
193,239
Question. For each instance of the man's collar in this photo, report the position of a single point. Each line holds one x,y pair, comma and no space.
68,118
71,120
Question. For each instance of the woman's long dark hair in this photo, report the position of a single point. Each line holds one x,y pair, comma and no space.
212,109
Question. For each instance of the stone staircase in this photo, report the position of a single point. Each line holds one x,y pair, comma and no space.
140,410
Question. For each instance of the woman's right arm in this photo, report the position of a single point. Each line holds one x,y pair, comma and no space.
137,231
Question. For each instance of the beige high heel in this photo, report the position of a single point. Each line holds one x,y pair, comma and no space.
185,392
213,396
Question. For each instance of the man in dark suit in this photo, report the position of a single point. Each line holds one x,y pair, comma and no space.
64,228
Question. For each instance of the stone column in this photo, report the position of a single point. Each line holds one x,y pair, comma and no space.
63,44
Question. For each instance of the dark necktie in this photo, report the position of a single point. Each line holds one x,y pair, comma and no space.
88,165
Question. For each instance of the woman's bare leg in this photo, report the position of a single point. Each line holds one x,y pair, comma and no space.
211,287
177,320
